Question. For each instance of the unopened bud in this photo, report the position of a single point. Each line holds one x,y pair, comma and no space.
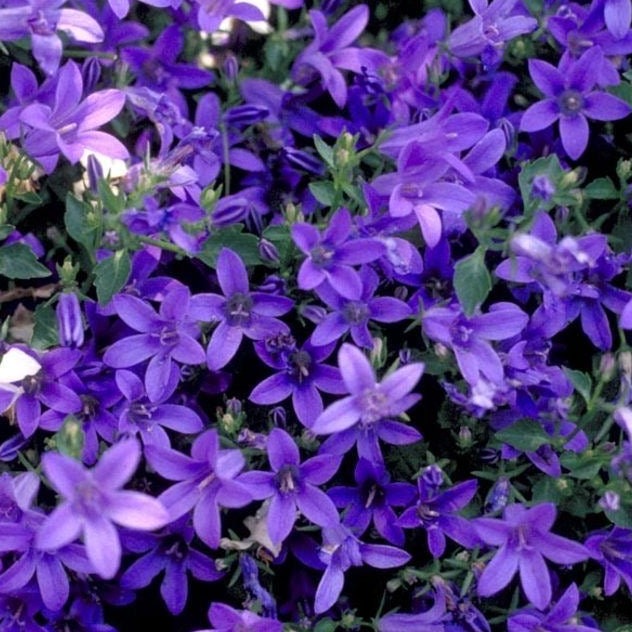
69,321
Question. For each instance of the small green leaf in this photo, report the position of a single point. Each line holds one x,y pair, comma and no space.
245,245
45,329
323,191
17,261
602,189
111,274
581,382
526,435
585,465
472,281
6,230
30,197
326,152
82,223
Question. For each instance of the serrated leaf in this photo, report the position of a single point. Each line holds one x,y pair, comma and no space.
82,223
18,261
325,151
111,274
581,382
601,189
323,191
45,333
472,281
244,244
526,435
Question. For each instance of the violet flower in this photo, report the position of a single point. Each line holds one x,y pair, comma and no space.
524,538
301,375
206,481
340,551
94,503
330,51
561,617
70,125
41,19
366,415
331,255
613,550
292,486
69,320
436,511
223,618
239,312
570,97
165,338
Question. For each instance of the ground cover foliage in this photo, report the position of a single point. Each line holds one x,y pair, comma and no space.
314,315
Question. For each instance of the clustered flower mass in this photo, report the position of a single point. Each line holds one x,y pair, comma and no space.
315,315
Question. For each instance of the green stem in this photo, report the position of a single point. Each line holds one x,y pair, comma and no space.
165,245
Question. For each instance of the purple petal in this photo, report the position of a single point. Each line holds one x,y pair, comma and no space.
231,273
135,510
64,472
282,450
131,351
539,116
356,369
338,417
498,572
136,313
61,527
548,78
223,346
574,132
618,15
142,571
605,107
329,589
117,464
207,521
307,404
281,517
535,579
102,546
383,556
273,389
53,582
317,507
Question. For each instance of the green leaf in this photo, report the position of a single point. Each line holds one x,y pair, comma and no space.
326,152
584,466
526,435
602,189
581,382
472,281
6,230
45,329
113,203
323,191
29,197
111,274
17,261
244,244
82,223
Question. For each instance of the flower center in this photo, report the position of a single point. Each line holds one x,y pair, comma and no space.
39,24
169,336
237,309
88,499
374,404
285,479
31,384
300,363
571,102
461,332
321,255
373,495
89,406
355,312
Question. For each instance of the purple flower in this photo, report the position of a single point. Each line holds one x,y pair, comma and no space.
223,618
354,315
292,486
436,511
330,51
94,503
428,621
70,124
613,550
524,538
301,374
493,24
166,338
169,551
69,320
41,19
570,98
561,617
206,482
340,551
331,255
372,500
469,337
239,312
367,413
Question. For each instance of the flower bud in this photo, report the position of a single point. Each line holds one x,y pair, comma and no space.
69,321
268,251
610,501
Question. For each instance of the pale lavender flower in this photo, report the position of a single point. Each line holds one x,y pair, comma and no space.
524,538
223,618
93,503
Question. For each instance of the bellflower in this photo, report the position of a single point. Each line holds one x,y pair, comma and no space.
93,503
340,551
366,415
330,52
372,501
570,97
561,617
223,618
469,337
436,511
330,256
41,19
292,486
70,125
69,320
301,374
165,338
613,550
239,311
206,481
524,538
170,551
